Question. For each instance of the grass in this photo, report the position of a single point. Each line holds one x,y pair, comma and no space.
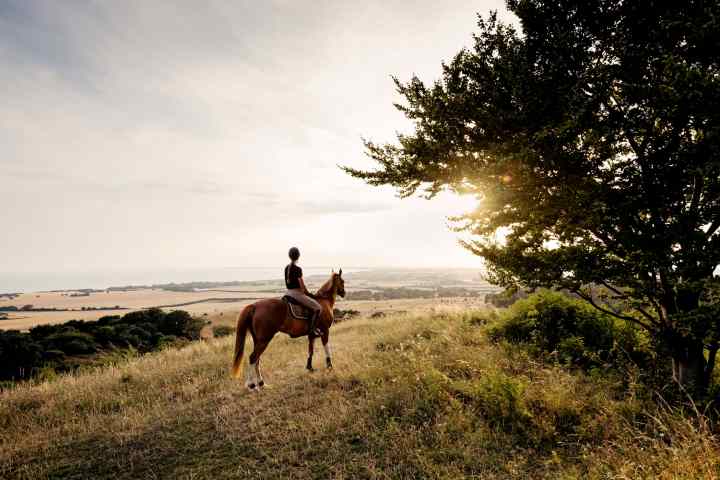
411,396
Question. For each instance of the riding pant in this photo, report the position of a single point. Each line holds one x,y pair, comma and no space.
300,296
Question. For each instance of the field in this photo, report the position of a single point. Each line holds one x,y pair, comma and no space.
413,395
224,301
79,307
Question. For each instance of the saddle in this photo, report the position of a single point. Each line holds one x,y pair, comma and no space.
297,309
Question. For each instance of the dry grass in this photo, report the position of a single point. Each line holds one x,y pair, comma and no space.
411,396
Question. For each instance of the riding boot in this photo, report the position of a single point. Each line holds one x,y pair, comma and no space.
314,331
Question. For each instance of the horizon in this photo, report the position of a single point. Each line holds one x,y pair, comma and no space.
36,282
130,144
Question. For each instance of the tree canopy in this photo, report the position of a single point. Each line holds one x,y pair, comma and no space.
590,137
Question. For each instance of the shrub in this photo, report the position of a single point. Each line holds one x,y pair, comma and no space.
181,324
342,315
22,355
222,330
53,355
577,332
166,341
71,342
19,355
104,335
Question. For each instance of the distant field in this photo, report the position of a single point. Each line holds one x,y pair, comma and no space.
133,299
129,301
201,302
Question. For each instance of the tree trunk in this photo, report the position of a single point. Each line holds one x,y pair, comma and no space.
690,369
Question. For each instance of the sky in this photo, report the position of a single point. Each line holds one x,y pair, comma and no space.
144,134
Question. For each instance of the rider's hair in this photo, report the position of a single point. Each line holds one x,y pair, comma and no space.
294,253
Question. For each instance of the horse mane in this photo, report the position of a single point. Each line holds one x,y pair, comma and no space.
326,290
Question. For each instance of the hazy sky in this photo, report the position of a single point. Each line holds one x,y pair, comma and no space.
155,134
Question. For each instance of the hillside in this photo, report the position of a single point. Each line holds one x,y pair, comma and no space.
411,396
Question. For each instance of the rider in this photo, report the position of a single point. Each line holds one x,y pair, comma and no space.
297,290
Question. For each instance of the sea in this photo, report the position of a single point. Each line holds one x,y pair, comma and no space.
101,279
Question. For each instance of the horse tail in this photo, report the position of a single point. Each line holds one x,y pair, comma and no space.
244,320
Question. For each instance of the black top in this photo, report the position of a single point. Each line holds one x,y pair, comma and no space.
293,274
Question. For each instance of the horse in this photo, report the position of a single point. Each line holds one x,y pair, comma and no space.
269,316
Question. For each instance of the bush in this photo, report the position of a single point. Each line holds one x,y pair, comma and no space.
222,330
574,330
23,355
181,324
342,315
105,335
19,355
71,342
166,341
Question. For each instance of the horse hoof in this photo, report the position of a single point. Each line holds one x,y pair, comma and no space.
261,384
310,369
251,386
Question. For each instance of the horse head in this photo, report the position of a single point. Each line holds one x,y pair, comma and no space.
339,283
335,284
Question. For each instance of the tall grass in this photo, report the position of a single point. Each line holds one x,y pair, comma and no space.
410,397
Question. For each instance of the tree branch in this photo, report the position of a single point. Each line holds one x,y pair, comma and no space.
592,302
698,185
626,297
713,228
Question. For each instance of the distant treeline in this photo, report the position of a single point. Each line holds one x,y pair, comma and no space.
79,292
191,286
67,346
404,292
31,308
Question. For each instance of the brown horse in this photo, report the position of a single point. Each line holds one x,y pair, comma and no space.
269,316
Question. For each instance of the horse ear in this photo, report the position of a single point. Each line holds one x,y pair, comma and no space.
332,270
340,272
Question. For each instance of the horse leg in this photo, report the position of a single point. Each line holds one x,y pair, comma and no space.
261,381
311,343
253,379
326,346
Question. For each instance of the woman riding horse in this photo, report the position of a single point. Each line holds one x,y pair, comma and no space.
269,316
296,289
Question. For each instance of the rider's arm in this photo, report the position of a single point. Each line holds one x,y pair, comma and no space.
303,287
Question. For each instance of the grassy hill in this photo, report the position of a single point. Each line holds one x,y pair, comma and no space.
410,397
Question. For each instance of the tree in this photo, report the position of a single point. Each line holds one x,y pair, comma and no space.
590,138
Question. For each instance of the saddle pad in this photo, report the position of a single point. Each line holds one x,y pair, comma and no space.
297,310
